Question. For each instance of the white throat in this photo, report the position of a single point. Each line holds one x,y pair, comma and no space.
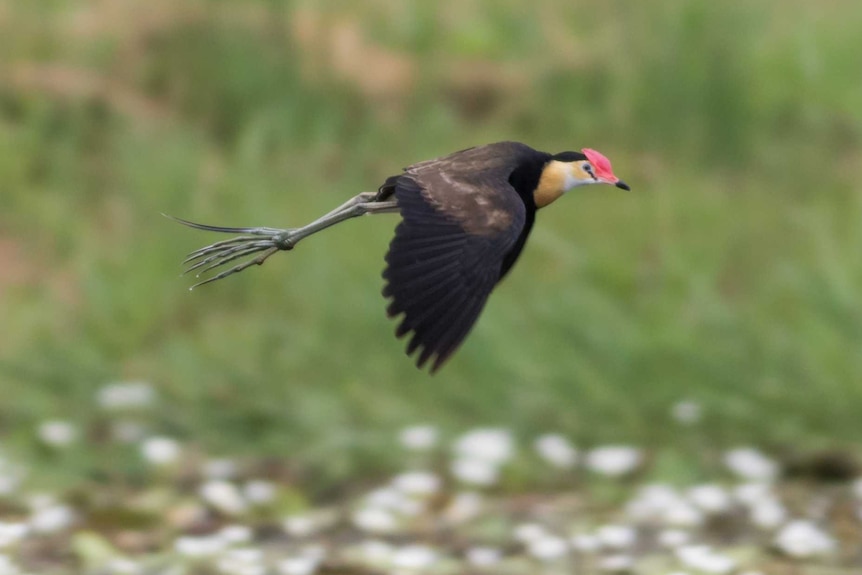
570,181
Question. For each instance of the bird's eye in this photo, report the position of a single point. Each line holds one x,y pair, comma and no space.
588,168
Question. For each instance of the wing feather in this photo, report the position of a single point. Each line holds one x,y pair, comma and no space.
460,218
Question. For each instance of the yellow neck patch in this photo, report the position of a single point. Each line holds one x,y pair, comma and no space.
552,183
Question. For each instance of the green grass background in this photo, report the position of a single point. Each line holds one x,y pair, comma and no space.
731,275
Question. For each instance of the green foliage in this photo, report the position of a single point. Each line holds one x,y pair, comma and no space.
730,274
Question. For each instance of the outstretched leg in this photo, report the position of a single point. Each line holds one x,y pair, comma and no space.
267,241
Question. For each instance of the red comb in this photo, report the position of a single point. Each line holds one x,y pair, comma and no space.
601,164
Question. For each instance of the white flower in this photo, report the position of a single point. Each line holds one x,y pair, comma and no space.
57,433
8,484
220,468
750,493
376,552
528,532
689,552
671,538
651,501
614,460
299,525
617,536
12,533
229,566
768,513
411,507
586,543
492,445
11,476
464,506
234,534
160,450
548,548
804,539
314,550
719,564
419,437
246,555
661,503
125,431
480,557
681,513
686,412
475,471
259,492
750,464
123,566
52,518
618,563
126,395
556,450
242,561
39,501
386,497
199,547
414,557
374,520
299,565
703,558
417,483
710,498
393,499
8,567
223,496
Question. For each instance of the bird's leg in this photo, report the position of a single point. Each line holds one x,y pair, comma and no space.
357,206
268,241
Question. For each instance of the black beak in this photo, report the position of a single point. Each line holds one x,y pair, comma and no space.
622,185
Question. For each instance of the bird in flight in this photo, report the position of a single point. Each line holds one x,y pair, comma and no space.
464,220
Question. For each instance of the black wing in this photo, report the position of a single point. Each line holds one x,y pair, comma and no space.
448,252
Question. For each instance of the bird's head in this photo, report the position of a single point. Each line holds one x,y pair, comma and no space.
567,170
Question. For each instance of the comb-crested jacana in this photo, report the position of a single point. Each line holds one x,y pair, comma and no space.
464,220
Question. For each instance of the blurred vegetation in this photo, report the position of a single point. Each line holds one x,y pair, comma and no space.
730,275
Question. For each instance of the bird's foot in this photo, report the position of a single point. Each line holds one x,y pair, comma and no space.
262,241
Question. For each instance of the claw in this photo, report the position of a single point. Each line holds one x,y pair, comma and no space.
259,231
225,258
254,240
229,253
238,268
204,251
